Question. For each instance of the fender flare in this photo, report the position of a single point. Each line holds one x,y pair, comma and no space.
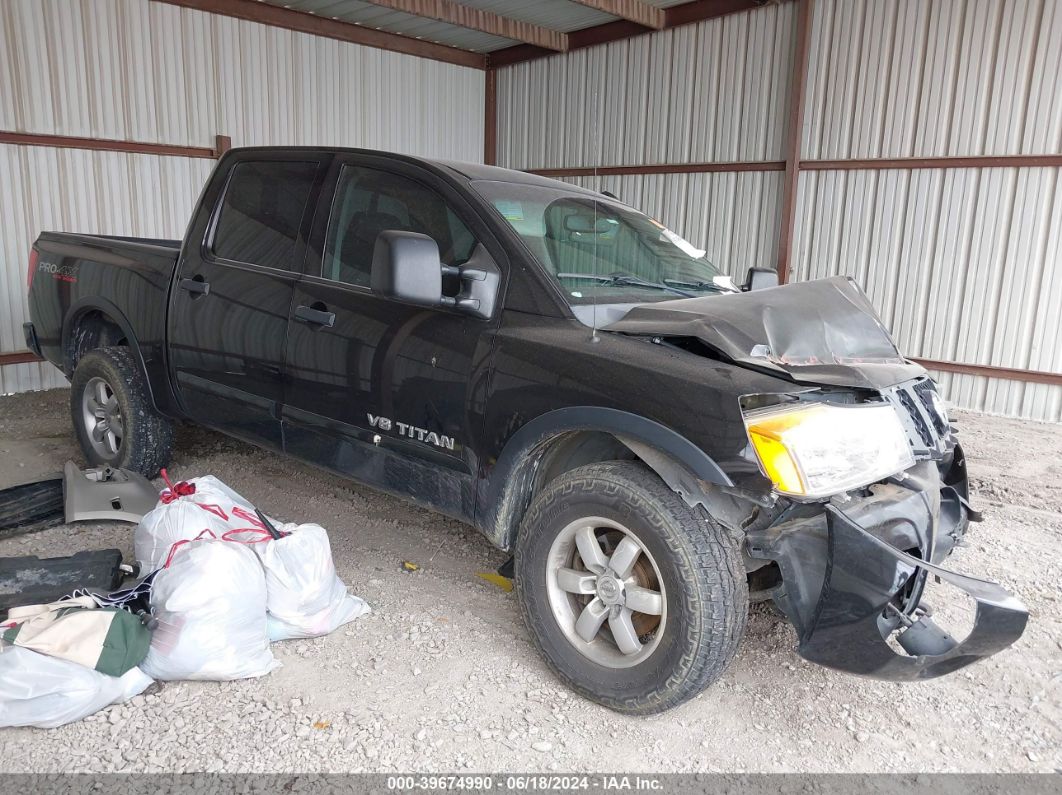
97,304
671,455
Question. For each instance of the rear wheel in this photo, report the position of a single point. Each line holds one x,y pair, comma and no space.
114,419
636,600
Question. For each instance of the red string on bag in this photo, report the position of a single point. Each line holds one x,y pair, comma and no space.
182,542
247,516
262,534
217,510
172,492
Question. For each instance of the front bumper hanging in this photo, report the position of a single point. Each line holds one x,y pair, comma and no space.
864,578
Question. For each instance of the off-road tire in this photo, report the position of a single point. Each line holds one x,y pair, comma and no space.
147,441
700,565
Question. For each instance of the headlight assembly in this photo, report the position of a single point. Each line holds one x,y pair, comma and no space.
817,450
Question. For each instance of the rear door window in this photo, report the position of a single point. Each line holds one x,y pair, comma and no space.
261,212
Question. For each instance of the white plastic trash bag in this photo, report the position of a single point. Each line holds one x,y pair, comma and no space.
210,490
184,512
304,597
38,690
210,604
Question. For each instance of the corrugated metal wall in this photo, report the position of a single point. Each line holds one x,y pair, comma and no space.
711,92
152,72
715,91
894,78
965,265
72,190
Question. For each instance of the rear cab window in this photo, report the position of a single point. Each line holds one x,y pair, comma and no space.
261,212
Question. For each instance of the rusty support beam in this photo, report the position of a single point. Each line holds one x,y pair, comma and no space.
794,134
222,144
480,19
303,22
914,163
19,357
685,14
984,370
490,118
109,145
909,163
992,371
660,168
635,11
700,10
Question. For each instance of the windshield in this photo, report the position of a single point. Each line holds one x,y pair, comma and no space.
601,250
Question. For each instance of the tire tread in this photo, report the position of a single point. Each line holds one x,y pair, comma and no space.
148,442
707,549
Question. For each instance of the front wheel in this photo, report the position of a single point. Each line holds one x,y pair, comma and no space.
636,600
114,419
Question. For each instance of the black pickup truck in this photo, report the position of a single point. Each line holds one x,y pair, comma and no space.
655,445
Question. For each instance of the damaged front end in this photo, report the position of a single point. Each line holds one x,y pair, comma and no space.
854,569
860,484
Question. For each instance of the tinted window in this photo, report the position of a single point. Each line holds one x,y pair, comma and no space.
600,249
261,212
369,201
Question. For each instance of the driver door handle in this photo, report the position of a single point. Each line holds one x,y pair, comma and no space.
316,315
196,286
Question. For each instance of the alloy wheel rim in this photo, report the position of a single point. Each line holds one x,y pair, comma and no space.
605,592
102,417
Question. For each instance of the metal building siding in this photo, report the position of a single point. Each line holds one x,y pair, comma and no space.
963,265
71,190
152,72
155,72
714,91
895,78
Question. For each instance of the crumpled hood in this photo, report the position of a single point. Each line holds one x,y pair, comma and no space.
819,332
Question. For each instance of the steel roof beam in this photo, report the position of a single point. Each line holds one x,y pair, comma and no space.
675,16
303,22
636,11
479,19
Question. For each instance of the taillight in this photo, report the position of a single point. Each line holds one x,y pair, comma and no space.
34,256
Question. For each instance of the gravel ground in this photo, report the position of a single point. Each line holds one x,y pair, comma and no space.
442,675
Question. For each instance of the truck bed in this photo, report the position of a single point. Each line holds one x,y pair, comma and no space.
125,280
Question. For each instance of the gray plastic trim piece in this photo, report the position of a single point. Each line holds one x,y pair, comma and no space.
106,494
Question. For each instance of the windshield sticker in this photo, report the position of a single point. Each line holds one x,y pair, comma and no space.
510,210
576,294
688,248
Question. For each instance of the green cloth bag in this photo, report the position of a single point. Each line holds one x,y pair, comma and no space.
106,639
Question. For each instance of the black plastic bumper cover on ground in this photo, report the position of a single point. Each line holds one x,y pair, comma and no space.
863,576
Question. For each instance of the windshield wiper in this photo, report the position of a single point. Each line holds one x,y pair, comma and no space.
695,285
626,280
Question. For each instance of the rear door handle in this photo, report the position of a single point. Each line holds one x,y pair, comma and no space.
196,285
315,316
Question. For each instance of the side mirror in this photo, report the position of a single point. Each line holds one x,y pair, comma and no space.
406,267
759,279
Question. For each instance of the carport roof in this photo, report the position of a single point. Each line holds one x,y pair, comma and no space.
559,16
482,33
